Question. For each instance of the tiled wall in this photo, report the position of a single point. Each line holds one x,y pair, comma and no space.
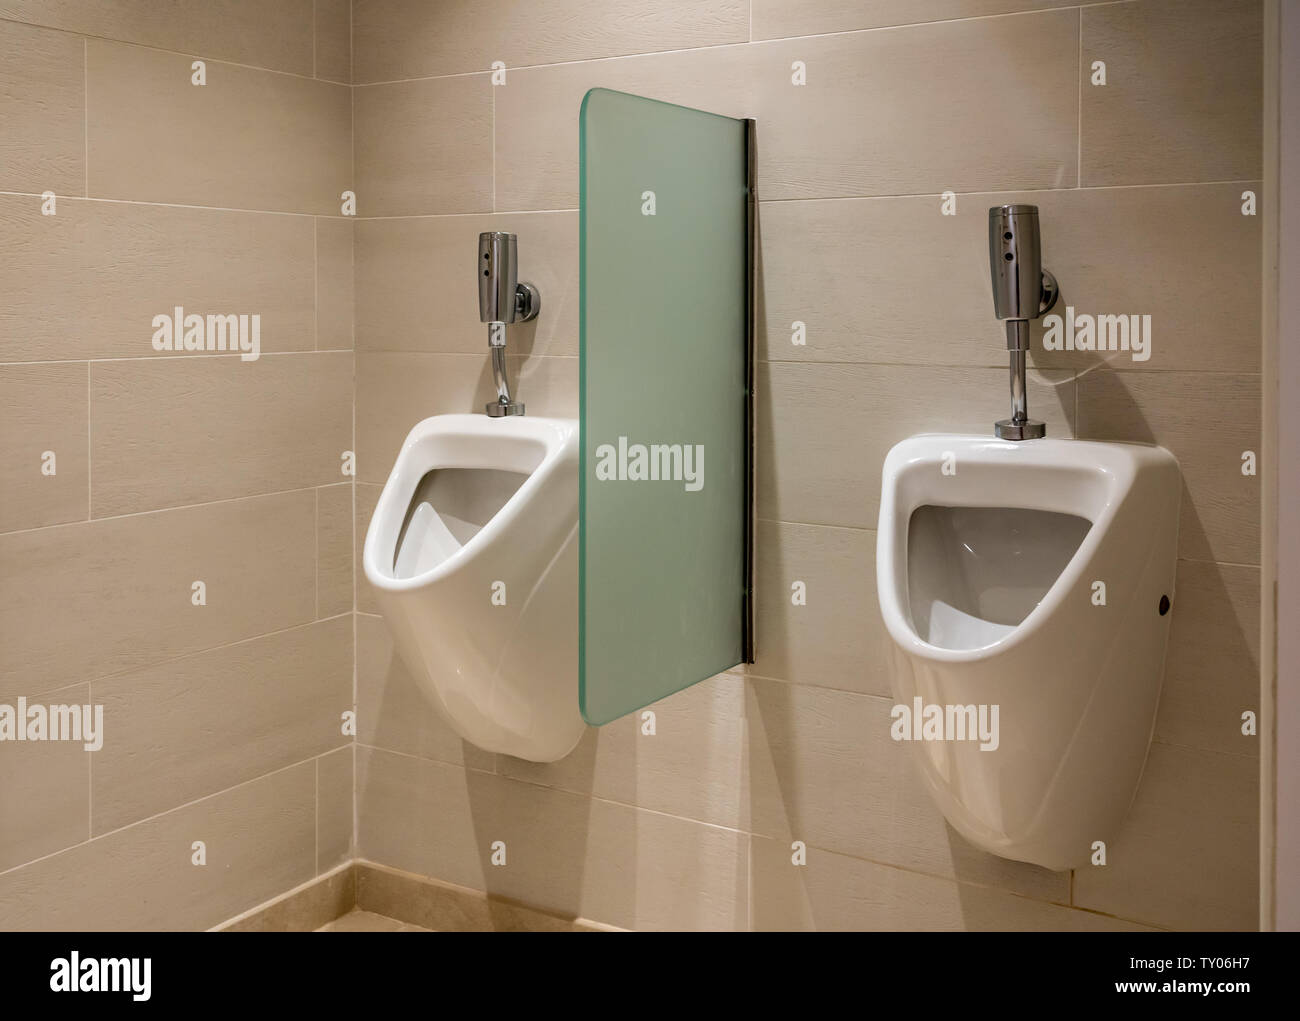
222,722
1140,185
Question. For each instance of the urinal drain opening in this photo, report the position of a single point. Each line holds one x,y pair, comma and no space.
1164,605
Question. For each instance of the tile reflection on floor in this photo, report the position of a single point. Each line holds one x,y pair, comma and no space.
367,921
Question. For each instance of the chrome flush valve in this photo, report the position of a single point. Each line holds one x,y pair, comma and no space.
502,300
1022,290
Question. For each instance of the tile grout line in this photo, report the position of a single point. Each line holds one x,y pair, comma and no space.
739,43
315,281
85,114
750,675
120,672
1078,131
188,54
537,785
863,197
1067,372
181,356
167,811
165,510
352,121
176,205
987,191
752,834
316,546
90,512
493,87
749,883
316,819
252,210
90,774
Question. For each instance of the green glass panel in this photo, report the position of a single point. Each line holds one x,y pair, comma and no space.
664,399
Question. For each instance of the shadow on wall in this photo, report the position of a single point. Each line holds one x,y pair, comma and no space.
576,847
436,805
544,838
883,819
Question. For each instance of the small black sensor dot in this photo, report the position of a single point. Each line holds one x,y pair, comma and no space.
1164,605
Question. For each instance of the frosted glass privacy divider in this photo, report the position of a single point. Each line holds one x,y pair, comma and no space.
666,463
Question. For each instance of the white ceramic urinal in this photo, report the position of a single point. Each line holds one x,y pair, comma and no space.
472,553
1035,577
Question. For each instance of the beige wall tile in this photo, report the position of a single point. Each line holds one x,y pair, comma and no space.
334,807
824,770
87,282
849,270
334,40
565,853
414,39
242,428
1212,661
416,291
79,601
777,18
836,893
916,95
394,713
694,765
260,842
1183,91
45,785
537,113
334,549
547,385
1207,420
836,637
824,430
219,718
43,409
1187,855
424,147
335,305
42,115
908,110
396,391
249,139
1161,252
367,497
276,35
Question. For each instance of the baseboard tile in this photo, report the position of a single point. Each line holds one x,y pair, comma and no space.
416,900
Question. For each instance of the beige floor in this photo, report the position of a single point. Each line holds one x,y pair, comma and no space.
367,921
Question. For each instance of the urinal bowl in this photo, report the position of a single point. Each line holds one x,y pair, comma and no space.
1037,577
472,554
